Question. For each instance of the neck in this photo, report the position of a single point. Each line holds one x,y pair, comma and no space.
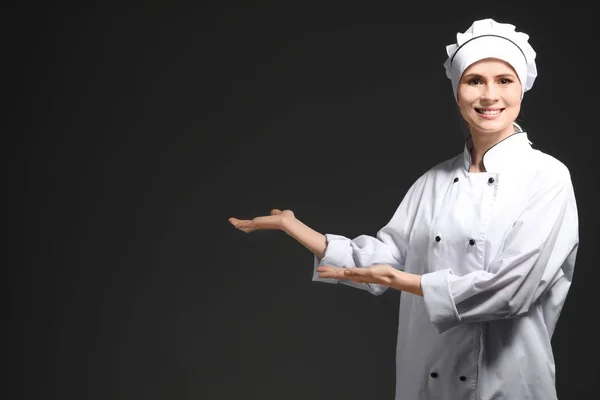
482,142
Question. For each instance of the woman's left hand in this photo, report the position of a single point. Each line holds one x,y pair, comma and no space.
381,274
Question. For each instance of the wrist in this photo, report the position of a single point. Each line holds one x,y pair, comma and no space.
406,282
287,224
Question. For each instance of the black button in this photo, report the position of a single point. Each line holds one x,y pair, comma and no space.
437,238
434,374
472,242
462,378
455,179
490,181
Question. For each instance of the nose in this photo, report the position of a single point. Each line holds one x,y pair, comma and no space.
489,93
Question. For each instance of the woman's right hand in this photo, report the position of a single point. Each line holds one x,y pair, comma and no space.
276,220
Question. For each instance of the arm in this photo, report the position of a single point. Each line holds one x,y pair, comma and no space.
286,221
314,241
317,243
387,248
406,282
381,274
538,252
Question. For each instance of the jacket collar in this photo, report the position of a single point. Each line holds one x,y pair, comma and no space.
505,155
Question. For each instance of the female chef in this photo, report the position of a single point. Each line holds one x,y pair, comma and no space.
482,246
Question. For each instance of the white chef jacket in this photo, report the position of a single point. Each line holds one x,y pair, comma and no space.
496,252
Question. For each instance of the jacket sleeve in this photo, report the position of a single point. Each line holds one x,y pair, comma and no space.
538,251
387,247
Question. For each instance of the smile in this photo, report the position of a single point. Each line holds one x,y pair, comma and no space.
489,111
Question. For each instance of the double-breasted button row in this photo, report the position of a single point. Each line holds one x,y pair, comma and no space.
490,180
461,378
471,241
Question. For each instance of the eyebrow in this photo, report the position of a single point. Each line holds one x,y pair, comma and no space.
507,75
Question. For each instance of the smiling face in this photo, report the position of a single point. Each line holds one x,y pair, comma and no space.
489,98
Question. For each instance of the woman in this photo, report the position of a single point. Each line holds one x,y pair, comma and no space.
482,246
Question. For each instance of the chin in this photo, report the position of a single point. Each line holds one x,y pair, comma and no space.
493,130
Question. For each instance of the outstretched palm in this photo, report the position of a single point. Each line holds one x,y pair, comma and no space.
273,221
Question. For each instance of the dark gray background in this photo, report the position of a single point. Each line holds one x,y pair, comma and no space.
149,124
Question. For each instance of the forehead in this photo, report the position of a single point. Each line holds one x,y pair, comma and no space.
490,66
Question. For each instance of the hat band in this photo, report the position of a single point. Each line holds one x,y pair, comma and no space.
477,37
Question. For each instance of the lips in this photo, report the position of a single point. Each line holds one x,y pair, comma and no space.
489,111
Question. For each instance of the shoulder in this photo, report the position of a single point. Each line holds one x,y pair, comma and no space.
549,169
546,176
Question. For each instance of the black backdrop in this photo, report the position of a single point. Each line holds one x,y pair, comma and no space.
148,125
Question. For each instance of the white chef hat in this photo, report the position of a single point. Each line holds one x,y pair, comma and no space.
487,38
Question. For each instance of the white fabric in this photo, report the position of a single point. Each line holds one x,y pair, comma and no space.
489,308
487,38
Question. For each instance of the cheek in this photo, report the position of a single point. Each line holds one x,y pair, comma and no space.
464,104
467,95
464,110
514,100
513,96
514,112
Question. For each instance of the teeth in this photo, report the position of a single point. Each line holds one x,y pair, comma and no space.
490,112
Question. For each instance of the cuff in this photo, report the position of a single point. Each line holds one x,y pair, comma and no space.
438,300
335,253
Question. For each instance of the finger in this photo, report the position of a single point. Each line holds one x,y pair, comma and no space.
354,276
354,271
327,271
243,225
275,211
238,222
331,275
327,268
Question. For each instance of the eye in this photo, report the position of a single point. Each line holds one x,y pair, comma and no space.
505,81
475,81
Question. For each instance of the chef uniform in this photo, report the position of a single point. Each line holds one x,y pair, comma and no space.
495,250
